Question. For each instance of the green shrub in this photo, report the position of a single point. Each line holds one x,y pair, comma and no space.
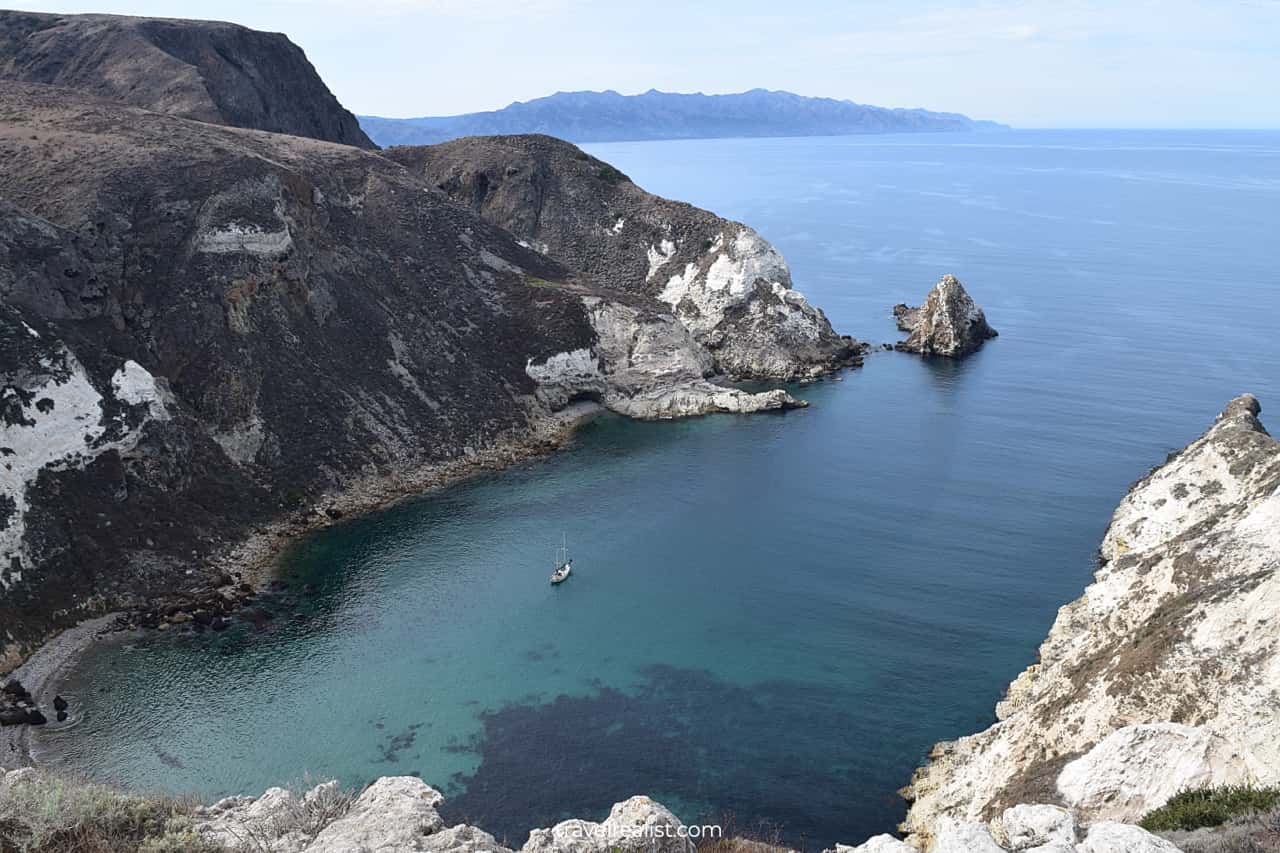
1200,807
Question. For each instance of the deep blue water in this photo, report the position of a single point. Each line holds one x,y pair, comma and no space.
772,616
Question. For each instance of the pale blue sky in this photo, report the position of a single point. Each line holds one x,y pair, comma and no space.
1039,63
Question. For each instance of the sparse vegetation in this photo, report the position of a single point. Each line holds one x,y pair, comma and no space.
1204,807
1254,833
48,815
308,815
534,281
738,836
43,815
611,175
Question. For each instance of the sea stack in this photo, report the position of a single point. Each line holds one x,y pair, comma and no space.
949,323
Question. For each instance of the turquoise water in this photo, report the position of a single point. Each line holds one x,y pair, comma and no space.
774,616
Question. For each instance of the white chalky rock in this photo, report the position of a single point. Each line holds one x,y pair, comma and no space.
1110,837
964,837
1138,768
394,814
638,825
1028,826
878,844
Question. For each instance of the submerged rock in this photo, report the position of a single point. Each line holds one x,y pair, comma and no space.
948,324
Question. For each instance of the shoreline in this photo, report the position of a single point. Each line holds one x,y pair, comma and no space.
257,557
41,674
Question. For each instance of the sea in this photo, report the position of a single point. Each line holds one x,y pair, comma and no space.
772,618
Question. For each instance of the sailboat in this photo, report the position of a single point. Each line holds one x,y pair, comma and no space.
564,565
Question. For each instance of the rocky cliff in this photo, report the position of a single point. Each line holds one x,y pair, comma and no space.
204,70
215,337
949,323
208,328
399,814
721,280
1165,674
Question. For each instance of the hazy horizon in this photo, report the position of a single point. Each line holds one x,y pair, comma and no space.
1145,64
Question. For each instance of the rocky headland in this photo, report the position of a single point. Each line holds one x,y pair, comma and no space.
723,282
216,337
1163,676
949,323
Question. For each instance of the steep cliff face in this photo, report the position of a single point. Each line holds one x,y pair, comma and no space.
203,70
949,323
208,329
1165,673
722,281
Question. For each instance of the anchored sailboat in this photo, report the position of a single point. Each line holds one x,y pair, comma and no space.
564,565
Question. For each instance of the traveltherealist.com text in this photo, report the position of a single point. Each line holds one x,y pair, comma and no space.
609,834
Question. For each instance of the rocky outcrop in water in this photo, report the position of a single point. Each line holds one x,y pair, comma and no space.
906,317
721,280
205,70
1164,674
948,324
18,707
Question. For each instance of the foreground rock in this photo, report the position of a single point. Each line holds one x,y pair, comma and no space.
398,813
721,280
1163,674
1026,829
948,324
204,70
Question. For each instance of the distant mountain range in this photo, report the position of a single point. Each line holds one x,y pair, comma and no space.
611,117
